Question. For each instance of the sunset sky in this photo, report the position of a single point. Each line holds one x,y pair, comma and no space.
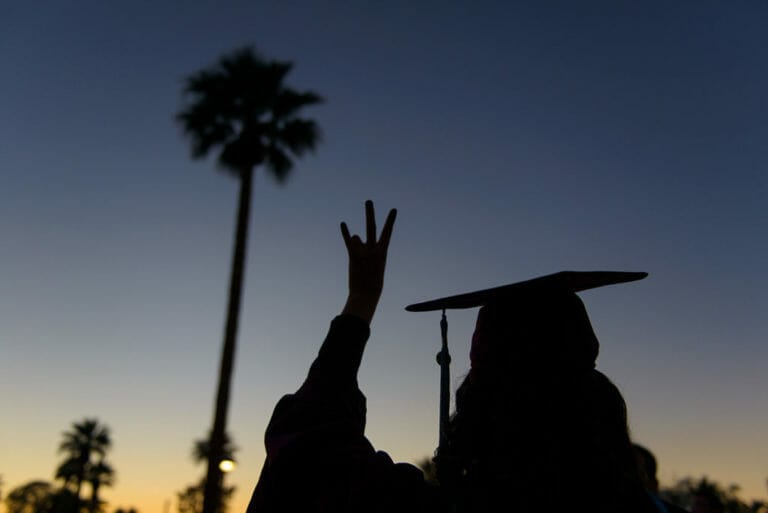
515,138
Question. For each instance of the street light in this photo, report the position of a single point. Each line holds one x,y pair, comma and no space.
227,465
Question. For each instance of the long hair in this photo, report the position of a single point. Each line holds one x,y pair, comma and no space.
542,443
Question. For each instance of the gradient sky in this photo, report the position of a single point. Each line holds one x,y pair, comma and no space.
515,138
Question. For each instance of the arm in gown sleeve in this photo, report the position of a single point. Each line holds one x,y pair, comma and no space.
318,458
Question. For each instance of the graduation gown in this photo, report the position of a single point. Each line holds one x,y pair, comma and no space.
318,458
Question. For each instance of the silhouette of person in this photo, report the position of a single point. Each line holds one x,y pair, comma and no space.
536,425
648,469
536,428
318,458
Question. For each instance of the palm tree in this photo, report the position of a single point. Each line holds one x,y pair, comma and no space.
190,500
241,107
201,449
99,474
86,440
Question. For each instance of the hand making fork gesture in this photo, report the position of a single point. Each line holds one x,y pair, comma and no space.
367,261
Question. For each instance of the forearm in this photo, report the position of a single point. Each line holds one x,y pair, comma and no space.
360,306
329,401
340,355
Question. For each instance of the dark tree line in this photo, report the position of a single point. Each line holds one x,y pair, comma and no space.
687,490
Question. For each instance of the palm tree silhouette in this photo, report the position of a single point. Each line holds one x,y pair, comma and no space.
241,107
99,474
86,440
201,449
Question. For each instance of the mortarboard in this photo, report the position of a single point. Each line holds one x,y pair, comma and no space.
547,304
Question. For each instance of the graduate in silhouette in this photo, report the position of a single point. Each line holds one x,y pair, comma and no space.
537,428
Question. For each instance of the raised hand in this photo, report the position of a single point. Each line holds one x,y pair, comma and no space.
367,261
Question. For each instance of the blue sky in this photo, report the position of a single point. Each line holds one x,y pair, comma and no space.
516,139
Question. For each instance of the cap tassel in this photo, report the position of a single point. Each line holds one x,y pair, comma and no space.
444,360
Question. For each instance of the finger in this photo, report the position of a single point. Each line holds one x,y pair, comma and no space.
370,223
386,232
345,235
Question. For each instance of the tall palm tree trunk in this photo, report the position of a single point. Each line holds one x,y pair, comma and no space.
95,496
81,475
213,480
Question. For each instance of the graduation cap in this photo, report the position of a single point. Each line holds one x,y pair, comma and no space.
541,318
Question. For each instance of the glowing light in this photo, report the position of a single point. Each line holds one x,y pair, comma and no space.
227,465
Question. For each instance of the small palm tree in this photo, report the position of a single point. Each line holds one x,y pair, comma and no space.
242,108
190,500
201,449
99,474
86,440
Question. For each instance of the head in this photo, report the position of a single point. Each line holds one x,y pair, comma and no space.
544,332
534,420
648,468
